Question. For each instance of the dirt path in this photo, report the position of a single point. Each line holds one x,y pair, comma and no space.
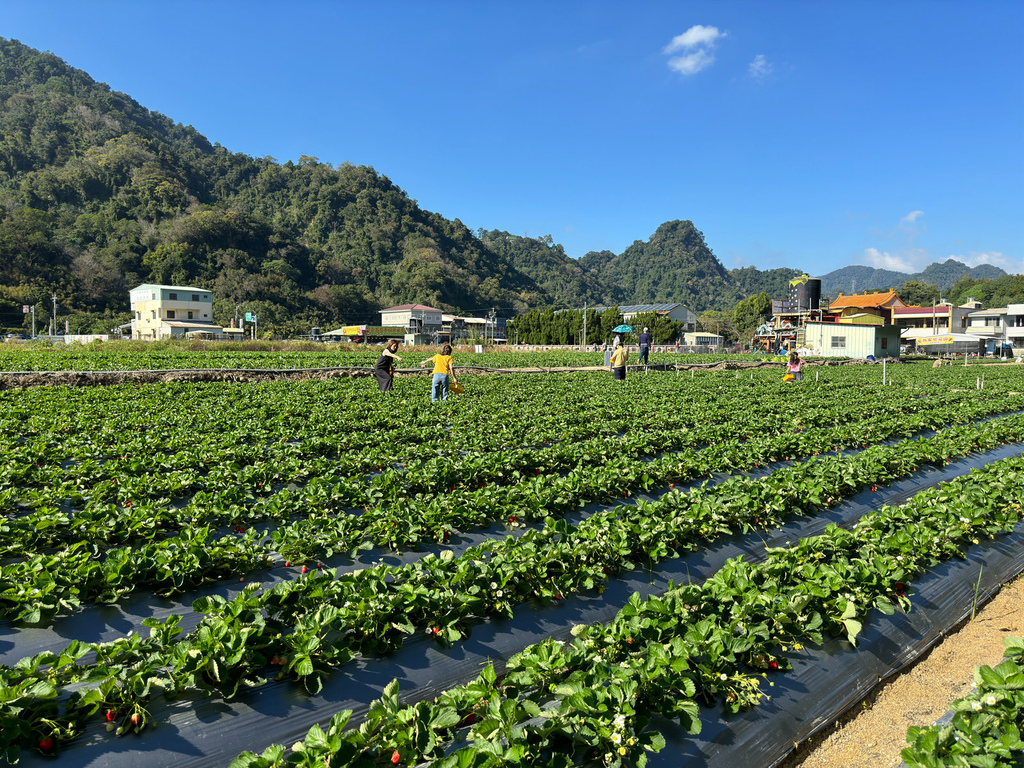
873,735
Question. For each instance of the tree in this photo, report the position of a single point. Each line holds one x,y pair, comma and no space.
918,294
718,322
610,318
750,312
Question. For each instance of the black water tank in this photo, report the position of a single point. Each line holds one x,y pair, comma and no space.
804,294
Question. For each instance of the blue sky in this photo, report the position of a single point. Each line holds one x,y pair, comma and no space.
803,134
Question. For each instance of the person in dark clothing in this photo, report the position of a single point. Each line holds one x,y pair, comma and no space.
645,346
384,370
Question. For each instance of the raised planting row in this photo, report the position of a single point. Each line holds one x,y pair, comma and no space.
592,700
305,628
986,727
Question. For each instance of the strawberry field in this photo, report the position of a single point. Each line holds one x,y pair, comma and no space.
540,571
175,355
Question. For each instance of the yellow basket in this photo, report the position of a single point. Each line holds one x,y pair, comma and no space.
457,389
788,377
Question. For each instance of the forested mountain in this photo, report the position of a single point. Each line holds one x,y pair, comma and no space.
569,282
857,279
676,264
98,194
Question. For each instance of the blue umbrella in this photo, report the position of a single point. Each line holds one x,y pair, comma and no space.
622,329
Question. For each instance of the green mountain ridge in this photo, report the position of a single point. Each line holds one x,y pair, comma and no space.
857,278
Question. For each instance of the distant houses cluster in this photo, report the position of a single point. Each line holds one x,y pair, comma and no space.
859,325
882,325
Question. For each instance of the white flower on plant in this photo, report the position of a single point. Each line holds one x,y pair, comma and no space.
619,721
617,738
990,701
493,585
499,593
723,677
976,706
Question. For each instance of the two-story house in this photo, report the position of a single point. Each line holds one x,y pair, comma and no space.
1015,325
422,324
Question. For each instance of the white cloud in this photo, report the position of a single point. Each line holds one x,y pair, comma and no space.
760,67
697,43
885,260
695,37
911,217
691,63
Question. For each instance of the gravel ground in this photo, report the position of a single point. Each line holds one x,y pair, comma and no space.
873,734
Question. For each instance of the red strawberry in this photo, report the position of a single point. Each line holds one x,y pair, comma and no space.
46,745
304,569
111,715
135,719
773,664
287,563
395,758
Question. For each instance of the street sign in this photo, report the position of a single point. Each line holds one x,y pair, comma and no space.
25,308
248,317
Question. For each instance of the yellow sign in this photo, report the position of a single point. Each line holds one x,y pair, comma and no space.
353,330
926,340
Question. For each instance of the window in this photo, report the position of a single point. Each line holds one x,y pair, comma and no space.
885,342
838,342
190,317
170,314
195,297
172,296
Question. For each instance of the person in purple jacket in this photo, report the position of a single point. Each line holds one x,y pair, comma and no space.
645,346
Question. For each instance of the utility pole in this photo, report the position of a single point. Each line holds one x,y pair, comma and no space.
53,320
584,325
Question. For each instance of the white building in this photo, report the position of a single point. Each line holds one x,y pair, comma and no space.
989,324
167,311
1014,320
850,340
702,339
422,324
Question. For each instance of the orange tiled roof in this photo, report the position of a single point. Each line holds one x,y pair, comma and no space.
864,300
